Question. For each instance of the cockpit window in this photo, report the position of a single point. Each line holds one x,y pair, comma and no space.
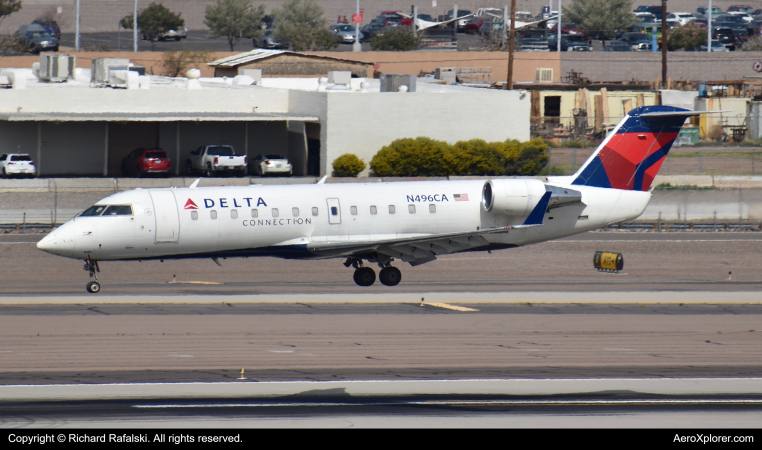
94,210
108,210
118,210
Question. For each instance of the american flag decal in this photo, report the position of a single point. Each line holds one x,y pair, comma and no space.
461,197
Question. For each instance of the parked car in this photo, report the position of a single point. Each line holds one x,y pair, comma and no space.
680,18
215,158
701,12
37,38
461,23
638,41
653,9
16,164
725,36
345,34
740,8
50,25
180,33
143,161
267,41
748,18
372,29
716,47
569,43
271,164
618,46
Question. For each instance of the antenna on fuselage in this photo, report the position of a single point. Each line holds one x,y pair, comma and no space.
195,183
322,180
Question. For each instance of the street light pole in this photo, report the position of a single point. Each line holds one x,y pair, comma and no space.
76,32
558,43
135,27
664,33
709,27
356,47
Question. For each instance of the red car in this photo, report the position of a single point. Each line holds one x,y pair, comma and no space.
142,161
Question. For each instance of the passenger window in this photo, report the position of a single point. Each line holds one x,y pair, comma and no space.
213,214
392,209
295,212
276,213
194,215
334,211
233,213
411,209
373,210
254,213
314,211
353,210
432,208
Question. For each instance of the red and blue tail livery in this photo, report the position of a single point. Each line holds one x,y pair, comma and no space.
631,156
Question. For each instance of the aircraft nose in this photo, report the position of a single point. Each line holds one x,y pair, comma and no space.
49,243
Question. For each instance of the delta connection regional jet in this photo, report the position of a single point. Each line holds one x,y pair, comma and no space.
376,223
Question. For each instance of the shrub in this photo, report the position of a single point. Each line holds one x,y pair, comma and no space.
396,39
348,165
428,157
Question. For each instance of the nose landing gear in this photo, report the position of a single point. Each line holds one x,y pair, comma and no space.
93,286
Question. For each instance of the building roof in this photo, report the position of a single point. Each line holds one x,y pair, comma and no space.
261,54
154,117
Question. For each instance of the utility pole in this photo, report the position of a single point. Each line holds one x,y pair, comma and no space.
511,45
709,27
664,44
76,32
135,27
558,43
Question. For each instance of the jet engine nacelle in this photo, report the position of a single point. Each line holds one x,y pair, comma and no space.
512,197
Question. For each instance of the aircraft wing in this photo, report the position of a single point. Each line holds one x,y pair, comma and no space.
424,248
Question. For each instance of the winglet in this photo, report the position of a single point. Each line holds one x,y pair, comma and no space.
322,180
195,183
538,213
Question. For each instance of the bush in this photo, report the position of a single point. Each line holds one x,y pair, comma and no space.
348,165
397,39
425,157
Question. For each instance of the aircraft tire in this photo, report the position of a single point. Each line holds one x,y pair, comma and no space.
390,276
365,276
93,287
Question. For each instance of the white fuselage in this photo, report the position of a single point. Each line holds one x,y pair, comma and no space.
285,220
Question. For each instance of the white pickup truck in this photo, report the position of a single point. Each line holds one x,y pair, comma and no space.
215,158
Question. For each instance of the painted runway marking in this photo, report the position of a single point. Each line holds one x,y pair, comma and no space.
448,306
469,403
652,240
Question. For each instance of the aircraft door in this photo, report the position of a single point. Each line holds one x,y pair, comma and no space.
167,217
334,211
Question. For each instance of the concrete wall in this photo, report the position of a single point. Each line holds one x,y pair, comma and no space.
362,124
644,66
150,101
19,138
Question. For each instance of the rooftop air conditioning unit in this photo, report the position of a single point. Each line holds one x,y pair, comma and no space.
391,82
57,68
543,75
101,67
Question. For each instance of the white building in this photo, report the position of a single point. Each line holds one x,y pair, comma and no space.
80,127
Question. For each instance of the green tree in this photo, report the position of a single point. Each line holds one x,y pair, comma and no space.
301,23
397,39
153,22
8,7
601,17
234,19
686,37
348,165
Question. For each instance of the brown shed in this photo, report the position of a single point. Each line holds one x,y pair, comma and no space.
288,64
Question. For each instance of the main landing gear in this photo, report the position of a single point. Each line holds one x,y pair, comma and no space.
365,276
93,286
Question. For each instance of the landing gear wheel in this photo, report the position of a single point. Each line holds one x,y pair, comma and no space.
390,276
91,266
365,276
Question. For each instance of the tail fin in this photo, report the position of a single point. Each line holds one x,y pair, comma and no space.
632,154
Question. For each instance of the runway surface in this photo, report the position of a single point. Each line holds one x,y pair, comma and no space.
699,261
537,313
